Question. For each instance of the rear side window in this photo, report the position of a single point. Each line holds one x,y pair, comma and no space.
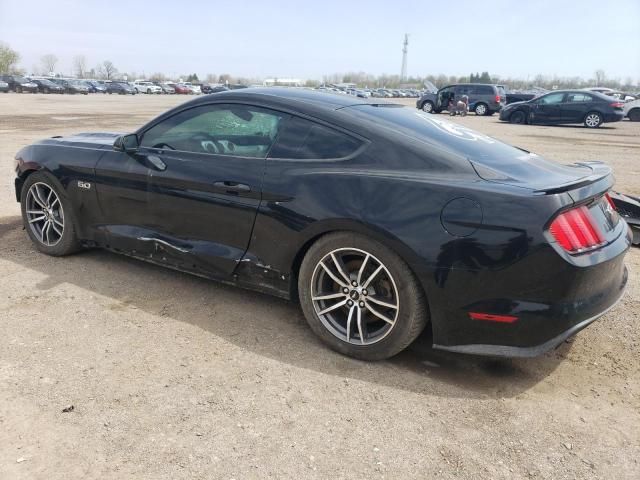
579,98
306,140
483,90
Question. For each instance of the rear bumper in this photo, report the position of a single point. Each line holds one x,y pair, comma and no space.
613,117
544,296
532,351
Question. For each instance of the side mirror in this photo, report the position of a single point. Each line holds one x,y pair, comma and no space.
126,143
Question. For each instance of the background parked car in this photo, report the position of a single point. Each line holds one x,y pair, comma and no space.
71,86
95,87
166,89
566,106
484,99
47,86
631,110
181,89
143,86
19,84
121,88
209,88
195,89
4,86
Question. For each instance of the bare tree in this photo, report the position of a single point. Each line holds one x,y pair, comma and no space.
107,70
157,77
49,62
80,65
600,77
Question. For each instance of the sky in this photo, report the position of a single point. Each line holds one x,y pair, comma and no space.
303,39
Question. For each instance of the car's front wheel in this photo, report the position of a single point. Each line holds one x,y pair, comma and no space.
360,297
47,216
593,120
427,107
634,115
517,117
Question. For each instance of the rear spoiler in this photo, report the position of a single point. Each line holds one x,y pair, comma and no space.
600,180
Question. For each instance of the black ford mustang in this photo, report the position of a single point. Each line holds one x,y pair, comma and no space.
378,218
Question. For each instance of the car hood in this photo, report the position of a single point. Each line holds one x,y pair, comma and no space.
99,140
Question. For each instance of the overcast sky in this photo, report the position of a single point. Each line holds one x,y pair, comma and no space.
306,39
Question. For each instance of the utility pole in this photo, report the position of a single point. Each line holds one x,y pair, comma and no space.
403,72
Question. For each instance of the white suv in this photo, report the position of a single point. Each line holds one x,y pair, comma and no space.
142,86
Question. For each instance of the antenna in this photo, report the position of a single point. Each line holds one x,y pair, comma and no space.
403,72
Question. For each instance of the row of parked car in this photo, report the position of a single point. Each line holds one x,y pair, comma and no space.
374,92
20,84
591,106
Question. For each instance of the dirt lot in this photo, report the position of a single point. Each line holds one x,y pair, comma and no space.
176,377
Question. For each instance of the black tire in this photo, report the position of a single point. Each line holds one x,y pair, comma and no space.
517,117
481,109
148,91
412,313
634,115
18,89
593,120
46,89
428,107
68,242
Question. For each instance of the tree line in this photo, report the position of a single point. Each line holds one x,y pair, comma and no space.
9,61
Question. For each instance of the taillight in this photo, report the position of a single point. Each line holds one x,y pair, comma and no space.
576,230
497,98
617,105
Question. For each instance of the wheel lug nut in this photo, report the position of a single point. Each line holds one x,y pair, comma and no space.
350,303
362,304
364,292
345,290
354,283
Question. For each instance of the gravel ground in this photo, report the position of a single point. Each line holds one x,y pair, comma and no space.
175,377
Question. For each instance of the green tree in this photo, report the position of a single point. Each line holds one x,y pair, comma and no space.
8,58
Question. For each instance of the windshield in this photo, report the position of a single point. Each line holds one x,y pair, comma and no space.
20,80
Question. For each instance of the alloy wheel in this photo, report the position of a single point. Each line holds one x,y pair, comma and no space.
592,120
355,296
45,215
427,107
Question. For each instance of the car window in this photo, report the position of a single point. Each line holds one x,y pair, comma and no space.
305,140
551,99
236,130
484,90
579,98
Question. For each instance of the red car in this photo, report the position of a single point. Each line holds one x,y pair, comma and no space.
181,89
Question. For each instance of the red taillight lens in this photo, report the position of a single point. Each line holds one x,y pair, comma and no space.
575,230
617,104
497,98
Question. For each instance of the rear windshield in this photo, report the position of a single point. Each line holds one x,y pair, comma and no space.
434,130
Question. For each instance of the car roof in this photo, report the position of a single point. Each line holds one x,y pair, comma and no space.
318,99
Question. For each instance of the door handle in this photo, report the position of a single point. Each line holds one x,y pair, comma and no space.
233,188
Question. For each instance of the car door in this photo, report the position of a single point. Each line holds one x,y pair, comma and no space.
207,167
445,95
575,107
547,109
122,186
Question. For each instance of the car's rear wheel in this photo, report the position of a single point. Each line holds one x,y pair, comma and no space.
593,120
360,297
427,107
481,109
634,115
517,117
47,216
